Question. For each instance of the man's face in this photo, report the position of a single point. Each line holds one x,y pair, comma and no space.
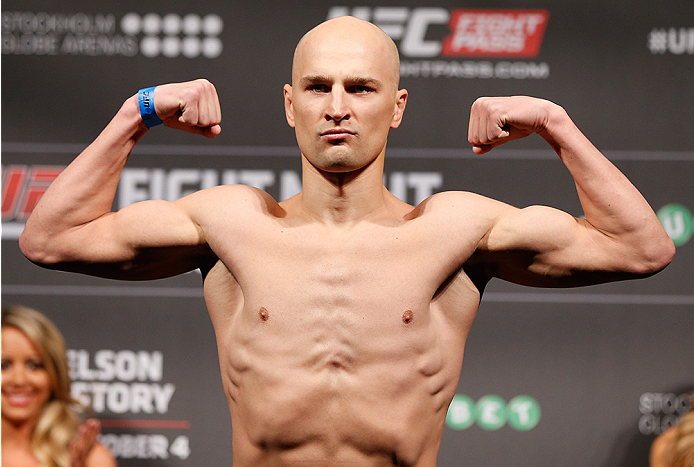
344,98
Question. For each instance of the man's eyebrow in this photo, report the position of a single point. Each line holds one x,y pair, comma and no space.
363,81
313,79
350,80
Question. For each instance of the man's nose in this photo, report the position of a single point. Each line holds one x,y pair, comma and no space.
338,109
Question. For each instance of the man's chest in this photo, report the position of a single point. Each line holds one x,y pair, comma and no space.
341,291
329,264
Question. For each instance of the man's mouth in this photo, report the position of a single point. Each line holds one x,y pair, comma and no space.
336,134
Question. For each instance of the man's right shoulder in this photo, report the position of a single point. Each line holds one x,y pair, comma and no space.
238,198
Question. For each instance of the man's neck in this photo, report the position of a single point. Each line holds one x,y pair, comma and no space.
344,198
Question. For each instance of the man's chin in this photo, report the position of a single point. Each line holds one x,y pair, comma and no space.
340,166
338,159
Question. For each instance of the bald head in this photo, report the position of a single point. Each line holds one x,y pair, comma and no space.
344,97
348,34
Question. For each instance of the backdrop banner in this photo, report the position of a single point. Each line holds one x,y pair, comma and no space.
579,377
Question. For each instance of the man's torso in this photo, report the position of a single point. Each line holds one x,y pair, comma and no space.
339,344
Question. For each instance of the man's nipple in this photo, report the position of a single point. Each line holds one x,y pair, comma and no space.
263,314
407,316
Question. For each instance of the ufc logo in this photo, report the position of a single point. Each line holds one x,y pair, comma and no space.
407,25
22,187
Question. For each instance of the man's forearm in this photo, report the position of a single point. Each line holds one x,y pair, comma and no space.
86,188
611,203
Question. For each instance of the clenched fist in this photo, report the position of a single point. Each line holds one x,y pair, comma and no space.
192,106
496,120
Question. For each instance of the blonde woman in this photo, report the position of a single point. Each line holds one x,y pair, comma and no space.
40,422
675,447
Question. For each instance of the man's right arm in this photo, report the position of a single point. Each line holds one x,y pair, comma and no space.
72,227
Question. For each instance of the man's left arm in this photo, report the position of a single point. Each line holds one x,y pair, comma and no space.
620,237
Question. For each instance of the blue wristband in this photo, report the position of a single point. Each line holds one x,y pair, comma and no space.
145,97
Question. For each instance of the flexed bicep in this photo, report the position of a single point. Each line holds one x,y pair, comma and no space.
72,226
146,240
619,238
546,247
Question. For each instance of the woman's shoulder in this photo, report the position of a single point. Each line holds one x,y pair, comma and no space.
100,456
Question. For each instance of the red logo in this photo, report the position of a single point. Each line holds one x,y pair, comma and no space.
495,33
22,187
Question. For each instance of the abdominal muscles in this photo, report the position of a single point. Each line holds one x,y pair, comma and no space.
339,386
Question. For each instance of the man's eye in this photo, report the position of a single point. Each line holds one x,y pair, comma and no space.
361,89
318,88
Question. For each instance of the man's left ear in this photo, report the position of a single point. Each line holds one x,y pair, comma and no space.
400,102
288,109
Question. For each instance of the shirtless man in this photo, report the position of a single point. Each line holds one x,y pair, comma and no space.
341,314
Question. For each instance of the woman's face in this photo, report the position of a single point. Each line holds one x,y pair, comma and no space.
26,385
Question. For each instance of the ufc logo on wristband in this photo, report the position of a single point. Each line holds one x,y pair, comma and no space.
145,97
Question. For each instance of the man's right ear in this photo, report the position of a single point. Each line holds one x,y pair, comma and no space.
288,105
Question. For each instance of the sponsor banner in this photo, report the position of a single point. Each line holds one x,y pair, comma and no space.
146,446
660,411
23,186
671,41
678,222
606,70
98,34
491,412
471,33
502,33
474,69
120,382
130,386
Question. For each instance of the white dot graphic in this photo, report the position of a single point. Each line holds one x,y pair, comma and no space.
151,23
212,25
172,24
212,47
131,24
191,47
192,24
163,34
171,46
150,46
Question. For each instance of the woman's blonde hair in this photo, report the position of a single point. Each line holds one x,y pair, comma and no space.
59,422
683,443
675,447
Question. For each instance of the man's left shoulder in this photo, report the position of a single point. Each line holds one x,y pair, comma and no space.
451,202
